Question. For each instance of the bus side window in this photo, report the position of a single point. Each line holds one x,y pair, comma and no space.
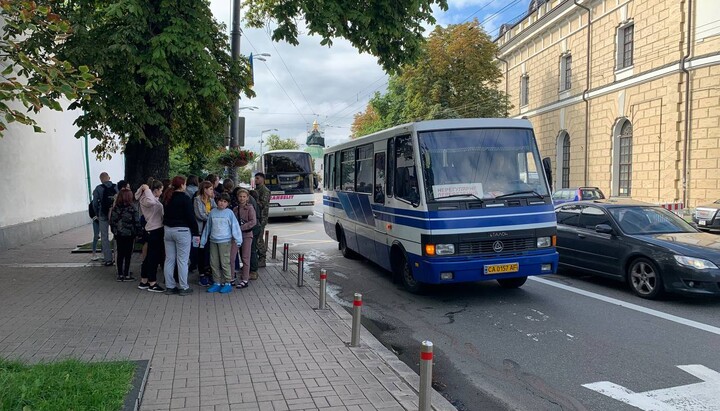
338,167
347,173
329,181
379,183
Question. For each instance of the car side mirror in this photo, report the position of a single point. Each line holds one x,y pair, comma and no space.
603,229
547,167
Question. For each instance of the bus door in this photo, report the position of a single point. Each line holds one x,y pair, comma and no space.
361,200
382,249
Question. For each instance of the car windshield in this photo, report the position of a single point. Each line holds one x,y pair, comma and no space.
649,220
481,164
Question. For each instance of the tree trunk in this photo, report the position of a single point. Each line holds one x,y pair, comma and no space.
143,161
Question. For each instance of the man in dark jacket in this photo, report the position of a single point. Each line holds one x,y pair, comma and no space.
264,204
103,199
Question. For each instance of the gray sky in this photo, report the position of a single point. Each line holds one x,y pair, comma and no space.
298,85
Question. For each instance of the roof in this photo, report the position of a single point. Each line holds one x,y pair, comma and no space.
614,202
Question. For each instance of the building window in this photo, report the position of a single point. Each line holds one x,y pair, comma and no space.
626,37
565,73
566,161
625,147
524,90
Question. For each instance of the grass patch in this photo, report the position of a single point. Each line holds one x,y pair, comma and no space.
66,385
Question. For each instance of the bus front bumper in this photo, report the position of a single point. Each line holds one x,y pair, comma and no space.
440,270
289,211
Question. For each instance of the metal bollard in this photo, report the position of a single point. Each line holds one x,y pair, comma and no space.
267,239
274,249
301,269
323,289
357,305
286,256
426,360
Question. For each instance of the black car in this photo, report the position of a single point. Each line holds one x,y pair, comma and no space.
649,247
707,217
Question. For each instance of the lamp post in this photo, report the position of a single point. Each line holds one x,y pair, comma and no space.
261,138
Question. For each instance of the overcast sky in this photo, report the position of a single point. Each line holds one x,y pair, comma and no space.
299,84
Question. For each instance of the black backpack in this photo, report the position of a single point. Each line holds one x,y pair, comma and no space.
108,199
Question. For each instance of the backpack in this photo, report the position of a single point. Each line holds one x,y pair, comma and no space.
108,199
91,210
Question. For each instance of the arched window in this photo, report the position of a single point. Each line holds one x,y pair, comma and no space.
625,146
566,161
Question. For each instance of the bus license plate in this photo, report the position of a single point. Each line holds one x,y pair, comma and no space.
702,222
289,209
502,268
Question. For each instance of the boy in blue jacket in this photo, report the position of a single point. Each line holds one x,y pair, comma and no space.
221,228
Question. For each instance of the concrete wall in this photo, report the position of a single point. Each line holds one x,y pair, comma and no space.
44,179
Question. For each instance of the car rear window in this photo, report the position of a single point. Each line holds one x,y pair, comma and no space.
591,194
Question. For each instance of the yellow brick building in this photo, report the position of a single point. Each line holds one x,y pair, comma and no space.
615,117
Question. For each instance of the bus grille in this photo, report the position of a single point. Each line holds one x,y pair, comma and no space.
510,246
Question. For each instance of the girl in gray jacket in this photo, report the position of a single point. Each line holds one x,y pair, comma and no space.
203,204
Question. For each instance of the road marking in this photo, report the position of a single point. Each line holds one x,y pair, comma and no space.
631,306
700,396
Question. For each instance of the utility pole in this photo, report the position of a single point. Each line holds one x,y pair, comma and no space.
237,138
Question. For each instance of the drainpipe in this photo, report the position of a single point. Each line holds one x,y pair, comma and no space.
506,79
87,169
585,93
683,62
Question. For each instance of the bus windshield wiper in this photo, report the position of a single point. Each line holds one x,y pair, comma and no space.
459,195
533,192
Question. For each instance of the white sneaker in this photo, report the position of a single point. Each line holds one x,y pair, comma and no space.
95,258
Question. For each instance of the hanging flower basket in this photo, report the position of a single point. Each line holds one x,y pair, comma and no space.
235,157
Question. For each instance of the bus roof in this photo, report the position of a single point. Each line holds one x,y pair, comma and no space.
285,151
435,125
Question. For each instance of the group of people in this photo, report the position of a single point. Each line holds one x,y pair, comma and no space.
184,224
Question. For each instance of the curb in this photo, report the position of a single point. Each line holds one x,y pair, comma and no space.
402,370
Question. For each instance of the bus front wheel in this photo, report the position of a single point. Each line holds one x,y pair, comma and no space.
512,282
407,278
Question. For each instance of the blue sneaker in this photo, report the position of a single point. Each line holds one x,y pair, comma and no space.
214,288
226,288
204,281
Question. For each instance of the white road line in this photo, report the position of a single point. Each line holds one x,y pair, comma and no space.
638,308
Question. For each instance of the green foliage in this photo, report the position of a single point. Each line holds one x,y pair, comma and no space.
457,78
390,30
244,175
274,142
34,76
66,385
180,163
167,77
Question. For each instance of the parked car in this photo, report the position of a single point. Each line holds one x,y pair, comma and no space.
647,246
707,217
577,194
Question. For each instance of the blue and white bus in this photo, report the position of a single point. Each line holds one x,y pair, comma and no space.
443,201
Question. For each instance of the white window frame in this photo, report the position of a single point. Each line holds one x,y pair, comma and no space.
621,70
564,86
524,90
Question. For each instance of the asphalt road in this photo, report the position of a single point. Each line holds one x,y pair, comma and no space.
535,347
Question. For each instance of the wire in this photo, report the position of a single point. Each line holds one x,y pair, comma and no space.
272,43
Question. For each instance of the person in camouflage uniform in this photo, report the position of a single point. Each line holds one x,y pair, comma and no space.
264,204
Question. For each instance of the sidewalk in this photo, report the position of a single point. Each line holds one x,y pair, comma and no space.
265,347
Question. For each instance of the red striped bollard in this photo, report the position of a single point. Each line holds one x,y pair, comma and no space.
286,256
274,248
357,305
426,360
323,289
301,269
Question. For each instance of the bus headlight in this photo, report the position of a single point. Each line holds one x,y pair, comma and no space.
544,242
307,203
445,249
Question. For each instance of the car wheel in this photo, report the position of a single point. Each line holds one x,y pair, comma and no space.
344,249
407,278
645,279
305,217
512,282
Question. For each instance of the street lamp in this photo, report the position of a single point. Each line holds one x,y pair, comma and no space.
261,136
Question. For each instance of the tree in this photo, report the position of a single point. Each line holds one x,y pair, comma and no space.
390,30
456,77
274,142
167,78
32,74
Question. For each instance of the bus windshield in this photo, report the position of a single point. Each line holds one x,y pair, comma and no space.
288,173
481,164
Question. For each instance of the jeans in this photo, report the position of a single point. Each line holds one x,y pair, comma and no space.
124,253
105,239
96,235
177,254
220,262
155,254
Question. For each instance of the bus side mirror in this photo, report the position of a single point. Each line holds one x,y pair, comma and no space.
547,166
